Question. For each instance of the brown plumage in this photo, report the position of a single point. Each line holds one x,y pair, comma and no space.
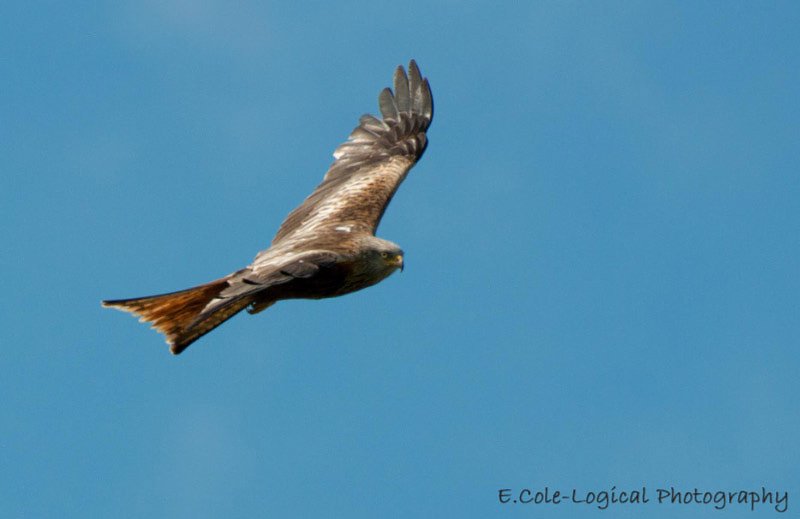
326,247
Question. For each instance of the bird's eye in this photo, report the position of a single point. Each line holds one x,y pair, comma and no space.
384,255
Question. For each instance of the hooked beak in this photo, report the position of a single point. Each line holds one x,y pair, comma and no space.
399,261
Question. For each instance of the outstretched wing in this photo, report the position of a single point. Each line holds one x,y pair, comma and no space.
370,166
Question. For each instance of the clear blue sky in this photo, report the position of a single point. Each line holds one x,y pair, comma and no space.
602,284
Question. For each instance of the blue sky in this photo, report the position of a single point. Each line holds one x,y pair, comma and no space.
602,244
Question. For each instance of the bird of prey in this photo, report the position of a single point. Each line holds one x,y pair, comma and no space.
327,246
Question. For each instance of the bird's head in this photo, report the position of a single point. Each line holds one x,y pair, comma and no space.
382,256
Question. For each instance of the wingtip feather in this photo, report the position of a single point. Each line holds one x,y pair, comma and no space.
401,90
387,104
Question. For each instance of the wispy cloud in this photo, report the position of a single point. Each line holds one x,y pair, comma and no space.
240,29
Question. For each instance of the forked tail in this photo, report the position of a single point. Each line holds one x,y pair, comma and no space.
179,315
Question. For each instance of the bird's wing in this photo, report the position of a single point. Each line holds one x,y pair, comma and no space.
282,269
370,166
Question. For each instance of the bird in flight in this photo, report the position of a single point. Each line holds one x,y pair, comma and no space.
327,246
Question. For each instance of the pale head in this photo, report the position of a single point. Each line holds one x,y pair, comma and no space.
380,257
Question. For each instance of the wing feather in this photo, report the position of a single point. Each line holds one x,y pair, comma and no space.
401,90
369,167
388,105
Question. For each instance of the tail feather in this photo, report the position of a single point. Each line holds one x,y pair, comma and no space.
179,315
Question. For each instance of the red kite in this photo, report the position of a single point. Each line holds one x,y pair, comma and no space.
327,246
